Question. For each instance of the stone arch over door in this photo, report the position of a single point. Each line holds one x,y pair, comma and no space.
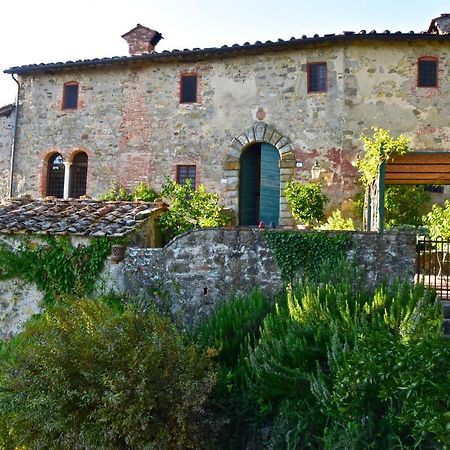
260,132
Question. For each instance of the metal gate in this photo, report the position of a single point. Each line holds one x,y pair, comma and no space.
433,265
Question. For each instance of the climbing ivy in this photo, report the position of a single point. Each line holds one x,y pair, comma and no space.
56,266
304,254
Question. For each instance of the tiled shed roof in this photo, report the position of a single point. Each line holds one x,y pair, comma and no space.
74,217
233,50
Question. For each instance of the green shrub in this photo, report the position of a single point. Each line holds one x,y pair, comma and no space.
336,221
231,323
116,192
438,221
300,351
141,192
88,376
231,329
306,201
399,391
405,205
190,209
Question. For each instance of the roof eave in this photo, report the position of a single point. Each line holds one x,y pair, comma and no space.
226,50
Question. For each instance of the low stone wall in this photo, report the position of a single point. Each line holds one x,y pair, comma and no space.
198,269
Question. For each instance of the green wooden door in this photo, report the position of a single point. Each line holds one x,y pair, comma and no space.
259,185
249,186
269,209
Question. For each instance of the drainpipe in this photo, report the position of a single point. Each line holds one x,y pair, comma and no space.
13,145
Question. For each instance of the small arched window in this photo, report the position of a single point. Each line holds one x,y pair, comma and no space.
55,176
78,175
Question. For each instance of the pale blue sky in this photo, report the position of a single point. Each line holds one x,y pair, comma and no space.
34,31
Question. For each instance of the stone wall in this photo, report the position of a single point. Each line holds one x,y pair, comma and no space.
131,123
198,269
6,137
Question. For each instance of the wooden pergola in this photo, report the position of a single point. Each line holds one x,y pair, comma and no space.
425,167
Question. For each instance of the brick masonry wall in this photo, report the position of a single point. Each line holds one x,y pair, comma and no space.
131,122
198,269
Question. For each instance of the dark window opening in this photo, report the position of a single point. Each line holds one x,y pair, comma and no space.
317,77
437,188
78,175
185,173
55,176
70,96
188,89
427,73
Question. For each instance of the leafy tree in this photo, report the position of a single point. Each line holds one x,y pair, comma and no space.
190,209
307,201
438,220
405,205
378,149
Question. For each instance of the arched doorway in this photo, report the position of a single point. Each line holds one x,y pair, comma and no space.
259,185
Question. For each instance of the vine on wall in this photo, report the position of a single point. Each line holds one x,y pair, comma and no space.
55,265
303,254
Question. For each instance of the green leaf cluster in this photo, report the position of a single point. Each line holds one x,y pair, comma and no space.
141,192
405,205
438,221
336,221
190,209
377,149
305,253
56,267
307,201
87,376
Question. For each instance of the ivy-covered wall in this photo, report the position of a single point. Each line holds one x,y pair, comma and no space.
201,267
39,271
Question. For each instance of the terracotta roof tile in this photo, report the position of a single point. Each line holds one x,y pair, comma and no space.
75,217
233,49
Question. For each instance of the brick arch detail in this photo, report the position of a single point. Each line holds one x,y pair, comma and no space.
260,132
68,155
45,158
74,152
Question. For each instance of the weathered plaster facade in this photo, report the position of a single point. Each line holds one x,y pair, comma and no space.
132,126
6,138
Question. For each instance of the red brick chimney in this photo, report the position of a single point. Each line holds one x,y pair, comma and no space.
142,40
440,25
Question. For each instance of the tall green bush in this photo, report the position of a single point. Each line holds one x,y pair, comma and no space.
190,209
307,201
90,376
304,348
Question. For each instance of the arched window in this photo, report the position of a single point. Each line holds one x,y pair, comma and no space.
55,176
78,175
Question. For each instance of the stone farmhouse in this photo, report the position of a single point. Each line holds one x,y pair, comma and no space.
243,120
